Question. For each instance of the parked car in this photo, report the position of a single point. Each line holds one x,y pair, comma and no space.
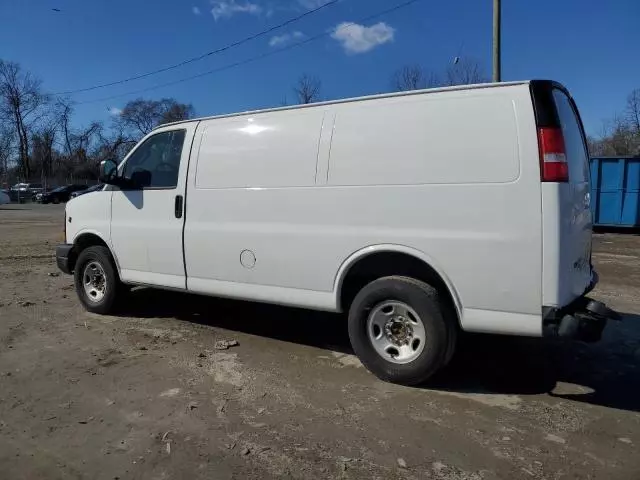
93,188
61,194
419,213
24,191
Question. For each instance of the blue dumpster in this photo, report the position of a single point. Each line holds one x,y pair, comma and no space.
615,191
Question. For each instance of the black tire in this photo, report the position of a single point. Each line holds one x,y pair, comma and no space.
56,201
423,299
102,256
453,331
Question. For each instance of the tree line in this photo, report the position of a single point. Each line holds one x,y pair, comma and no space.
39,142
620,136
463,71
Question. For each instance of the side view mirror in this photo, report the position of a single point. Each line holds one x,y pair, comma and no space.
108,172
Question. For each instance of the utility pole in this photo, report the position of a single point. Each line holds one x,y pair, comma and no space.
496,41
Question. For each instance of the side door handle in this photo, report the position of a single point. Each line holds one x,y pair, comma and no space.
178,206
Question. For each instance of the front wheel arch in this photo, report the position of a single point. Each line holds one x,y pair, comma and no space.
85,240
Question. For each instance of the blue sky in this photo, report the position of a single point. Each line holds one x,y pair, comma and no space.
590,46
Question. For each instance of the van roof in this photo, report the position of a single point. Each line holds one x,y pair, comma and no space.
353,99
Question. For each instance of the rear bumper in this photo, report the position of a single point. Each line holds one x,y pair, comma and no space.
583,319
65,258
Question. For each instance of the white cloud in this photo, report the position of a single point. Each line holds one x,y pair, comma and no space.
196,11
115,111
356,38
311,4
225,9
281,40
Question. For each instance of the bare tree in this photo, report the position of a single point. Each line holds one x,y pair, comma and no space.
409,77
65,111
618,137
113,145
633,110
141,116
175,112
21,102
465,71
42,153
307,89
6,151
77,144
413,77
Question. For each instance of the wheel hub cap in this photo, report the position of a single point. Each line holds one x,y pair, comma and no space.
396,332
94,281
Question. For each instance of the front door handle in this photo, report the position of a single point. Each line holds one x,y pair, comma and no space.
178,206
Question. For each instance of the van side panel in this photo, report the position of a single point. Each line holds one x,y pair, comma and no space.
460,138
268,150
453,177
249,191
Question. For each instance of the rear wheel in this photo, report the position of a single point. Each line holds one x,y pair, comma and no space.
96,279
400,331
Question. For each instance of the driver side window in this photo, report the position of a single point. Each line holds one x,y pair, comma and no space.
156,163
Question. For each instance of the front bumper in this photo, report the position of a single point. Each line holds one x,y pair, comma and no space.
65,258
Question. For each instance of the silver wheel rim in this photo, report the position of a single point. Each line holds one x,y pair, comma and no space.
94,281
396,332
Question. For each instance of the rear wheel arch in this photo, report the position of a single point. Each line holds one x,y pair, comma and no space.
380,261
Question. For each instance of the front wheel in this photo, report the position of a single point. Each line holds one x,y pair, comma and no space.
96,279
399,330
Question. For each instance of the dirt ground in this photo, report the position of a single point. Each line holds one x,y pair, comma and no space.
147,395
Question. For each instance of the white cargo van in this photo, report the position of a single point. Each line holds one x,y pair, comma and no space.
418,213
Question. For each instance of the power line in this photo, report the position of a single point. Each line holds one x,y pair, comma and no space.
204,55
254,58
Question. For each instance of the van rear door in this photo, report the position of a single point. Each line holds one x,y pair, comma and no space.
564,173
576,198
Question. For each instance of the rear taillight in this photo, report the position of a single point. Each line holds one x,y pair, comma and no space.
553,158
